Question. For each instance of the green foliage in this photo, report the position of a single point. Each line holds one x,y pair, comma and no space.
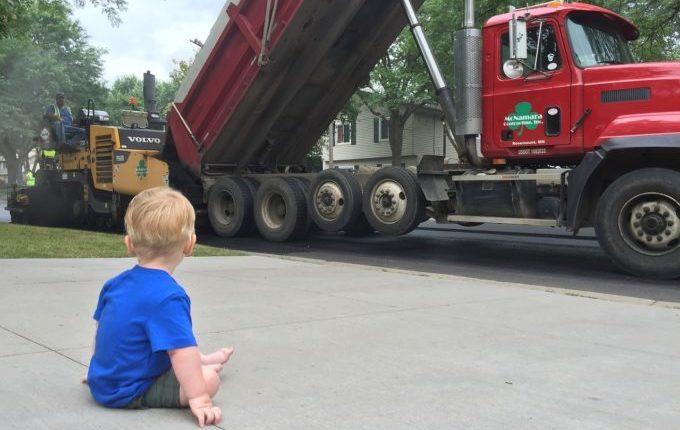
118,97
15,14
109,7
123,88
166,91
12,15
659,24
46,54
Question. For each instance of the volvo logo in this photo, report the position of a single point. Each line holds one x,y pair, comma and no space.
137,139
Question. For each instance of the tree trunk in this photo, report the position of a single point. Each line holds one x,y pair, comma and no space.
8,151
396,137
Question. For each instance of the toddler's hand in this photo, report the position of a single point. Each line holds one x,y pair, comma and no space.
204,411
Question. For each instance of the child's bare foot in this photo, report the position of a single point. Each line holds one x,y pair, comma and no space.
217,368
220,356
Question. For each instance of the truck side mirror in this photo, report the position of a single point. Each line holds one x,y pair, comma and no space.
518,38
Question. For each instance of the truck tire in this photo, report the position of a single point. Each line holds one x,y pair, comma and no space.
230,207
281,210
638,222
393,201
334,200
305,185
16,217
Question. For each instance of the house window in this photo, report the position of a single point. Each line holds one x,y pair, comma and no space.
381,129
343,133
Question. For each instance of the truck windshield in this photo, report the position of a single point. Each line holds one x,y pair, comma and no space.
595,41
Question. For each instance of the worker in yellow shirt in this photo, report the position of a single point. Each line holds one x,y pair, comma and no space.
30,179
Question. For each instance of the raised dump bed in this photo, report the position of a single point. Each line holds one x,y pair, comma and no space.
245,107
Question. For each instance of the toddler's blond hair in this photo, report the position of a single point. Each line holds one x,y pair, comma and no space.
159,221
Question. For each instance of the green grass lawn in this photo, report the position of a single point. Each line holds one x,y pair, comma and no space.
26,241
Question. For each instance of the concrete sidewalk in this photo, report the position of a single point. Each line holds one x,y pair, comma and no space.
334,346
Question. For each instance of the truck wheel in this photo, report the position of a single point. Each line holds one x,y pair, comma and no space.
230,207
305,185
335,200
638,223
16,217
281,210
393,201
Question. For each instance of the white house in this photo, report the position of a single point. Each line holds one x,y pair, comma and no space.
365,142
3,171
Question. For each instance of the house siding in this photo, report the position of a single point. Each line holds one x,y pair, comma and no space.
423,135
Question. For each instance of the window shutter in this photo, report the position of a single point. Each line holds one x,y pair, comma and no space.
376,130
333,137
353,132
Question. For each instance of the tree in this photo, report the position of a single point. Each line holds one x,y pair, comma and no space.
48,54
110,7
119,96
166,91
399,84
659,24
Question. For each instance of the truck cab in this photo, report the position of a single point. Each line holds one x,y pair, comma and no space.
577,88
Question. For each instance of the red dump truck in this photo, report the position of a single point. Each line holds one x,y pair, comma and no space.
539,87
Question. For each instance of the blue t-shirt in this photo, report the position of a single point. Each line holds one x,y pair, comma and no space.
141,314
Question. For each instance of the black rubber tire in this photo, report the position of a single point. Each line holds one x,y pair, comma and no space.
281,210
305,185
350,200
612,223
46,207
469,224
424,216
16,217
230,207
410,194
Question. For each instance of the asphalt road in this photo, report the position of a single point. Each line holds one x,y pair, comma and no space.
530,255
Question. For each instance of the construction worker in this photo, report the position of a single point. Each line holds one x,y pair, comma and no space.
30,179
61,121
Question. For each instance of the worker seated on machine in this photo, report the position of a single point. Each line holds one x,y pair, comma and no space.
61,124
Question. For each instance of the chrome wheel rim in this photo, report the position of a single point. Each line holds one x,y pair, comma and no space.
388,201
650,224
274,211
329,201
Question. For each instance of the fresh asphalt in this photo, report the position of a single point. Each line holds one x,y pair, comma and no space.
328,345
549,257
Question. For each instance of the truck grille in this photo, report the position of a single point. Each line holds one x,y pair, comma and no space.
628,95
104,158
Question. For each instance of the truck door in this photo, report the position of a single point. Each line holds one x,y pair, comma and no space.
532,110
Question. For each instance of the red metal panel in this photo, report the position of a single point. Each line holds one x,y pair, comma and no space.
225,77
627,117
247,116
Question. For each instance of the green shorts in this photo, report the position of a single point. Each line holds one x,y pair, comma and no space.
163,393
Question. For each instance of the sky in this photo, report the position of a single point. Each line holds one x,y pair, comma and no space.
152,34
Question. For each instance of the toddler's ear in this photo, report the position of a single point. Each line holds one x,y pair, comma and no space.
129,245
189,247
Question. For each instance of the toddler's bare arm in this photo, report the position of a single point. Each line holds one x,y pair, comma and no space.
186,362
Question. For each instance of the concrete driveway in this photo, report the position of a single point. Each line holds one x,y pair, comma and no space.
334,346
